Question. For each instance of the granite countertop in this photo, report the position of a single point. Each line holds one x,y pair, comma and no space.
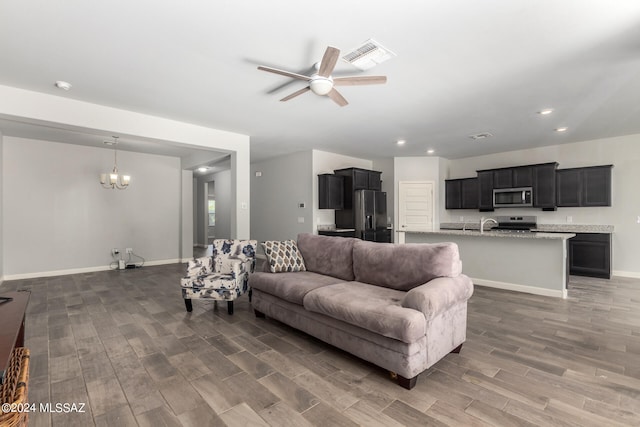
549,228
499,234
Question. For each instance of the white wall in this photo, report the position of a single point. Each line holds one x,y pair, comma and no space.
622,152
286,181
324,162
58,218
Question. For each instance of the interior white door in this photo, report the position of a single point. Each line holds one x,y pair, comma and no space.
416,206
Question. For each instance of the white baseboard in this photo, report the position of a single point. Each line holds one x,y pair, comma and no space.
630,274
79,270
521,288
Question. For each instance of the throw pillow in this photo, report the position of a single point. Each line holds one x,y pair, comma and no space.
283,256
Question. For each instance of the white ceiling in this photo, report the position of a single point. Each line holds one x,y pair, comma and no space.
462,67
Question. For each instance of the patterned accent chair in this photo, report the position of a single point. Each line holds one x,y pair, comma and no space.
223,276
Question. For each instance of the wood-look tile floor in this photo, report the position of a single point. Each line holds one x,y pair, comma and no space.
122,343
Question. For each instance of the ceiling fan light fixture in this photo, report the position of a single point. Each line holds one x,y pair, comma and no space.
321,85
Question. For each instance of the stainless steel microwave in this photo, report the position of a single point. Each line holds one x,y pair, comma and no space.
513,197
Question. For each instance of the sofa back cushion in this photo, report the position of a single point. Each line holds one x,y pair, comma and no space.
404,266
332,256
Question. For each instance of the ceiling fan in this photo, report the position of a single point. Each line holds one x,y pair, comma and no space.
321,83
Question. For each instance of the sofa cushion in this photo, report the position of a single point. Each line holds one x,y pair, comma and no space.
373,308
283,256
328,255
404,266
291,287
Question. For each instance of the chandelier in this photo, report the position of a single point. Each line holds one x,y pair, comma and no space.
113,180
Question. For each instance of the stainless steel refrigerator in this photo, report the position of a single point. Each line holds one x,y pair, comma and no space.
371,215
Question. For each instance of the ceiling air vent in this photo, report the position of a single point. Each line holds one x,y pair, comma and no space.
482,135
368,55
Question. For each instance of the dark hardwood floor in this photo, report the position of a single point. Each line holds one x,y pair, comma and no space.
122,342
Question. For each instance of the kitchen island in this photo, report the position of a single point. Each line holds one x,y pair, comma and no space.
533,262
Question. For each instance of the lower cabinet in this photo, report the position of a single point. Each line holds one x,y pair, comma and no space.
590,255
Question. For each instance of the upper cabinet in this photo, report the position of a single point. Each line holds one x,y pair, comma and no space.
330,191
589,186
461,193
544,186
358,179
485,190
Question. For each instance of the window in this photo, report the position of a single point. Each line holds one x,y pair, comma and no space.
212,213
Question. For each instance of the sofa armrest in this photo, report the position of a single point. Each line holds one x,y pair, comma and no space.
438,295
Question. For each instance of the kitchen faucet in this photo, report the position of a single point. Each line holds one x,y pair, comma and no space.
483,221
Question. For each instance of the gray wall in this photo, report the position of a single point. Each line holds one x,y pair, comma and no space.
57,217
286,181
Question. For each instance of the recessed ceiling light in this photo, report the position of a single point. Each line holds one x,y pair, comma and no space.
63,85
203,169
401,142
431,151
546,111
562,129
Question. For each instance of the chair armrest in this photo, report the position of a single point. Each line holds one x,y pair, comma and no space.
438,295
200,266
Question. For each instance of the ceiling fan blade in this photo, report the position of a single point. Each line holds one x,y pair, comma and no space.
282,86
359,80
337,98
329,61
296,93
284,73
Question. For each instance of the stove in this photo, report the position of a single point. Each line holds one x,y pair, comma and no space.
515,224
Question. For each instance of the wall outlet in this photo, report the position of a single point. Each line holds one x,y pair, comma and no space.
301,205
115,251
569,219
258,173
129,250
300,220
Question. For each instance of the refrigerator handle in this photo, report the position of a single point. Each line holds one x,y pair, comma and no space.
369,222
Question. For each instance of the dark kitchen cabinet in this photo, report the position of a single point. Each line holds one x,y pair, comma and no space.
461,193
588,187
519,176
523,176
503,178
485,190
590,255
544,186
330,191
364,179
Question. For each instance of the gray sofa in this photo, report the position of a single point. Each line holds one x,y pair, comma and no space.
401,307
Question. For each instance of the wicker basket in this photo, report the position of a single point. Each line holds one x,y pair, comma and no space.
13,390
